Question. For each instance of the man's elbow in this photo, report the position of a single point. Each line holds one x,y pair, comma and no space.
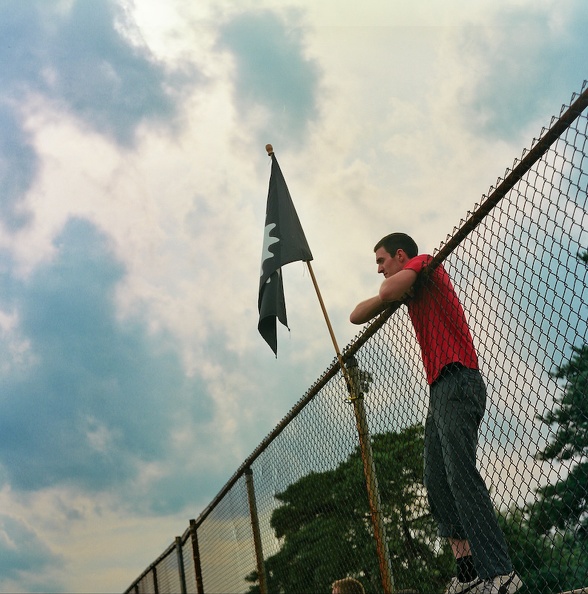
386,295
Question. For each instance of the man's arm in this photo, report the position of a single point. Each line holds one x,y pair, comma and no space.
394,288
368,309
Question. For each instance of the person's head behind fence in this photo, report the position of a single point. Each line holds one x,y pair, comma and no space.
347,585
398,241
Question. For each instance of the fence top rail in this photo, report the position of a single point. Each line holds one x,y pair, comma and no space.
170,549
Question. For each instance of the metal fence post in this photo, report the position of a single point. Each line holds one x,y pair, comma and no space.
371,479
196,557
256,531
180,559
155,584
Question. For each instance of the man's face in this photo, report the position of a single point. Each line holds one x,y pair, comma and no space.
389,265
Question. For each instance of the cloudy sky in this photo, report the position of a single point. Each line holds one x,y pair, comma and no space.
133,180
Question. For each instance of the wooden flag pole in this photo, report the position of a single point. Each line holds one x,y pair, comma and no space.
332,334
365,446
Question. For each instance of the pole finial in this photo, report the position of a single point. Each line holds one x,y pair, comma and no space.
270,149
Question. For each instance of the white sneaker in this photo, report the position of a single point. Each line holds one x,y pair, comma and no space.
502,584
457,587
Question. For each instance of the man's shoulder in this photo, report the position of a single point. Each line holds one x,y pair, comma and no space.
419,262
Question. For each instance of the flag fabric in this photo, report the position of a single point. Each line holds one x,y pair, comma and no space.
283,242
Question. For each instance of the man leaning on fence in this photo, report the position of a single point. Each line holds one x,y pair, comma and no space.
457,494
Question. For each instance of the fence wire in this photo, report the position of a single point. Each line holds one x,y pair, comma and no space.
519,265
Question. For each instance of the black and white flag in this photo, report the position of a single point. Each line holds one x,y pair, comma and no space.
283,242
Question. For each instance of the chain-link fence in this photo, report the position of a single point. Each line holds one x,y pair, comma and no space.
297,515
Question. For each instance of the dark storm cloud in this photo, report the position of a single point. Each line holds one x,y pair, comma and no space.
18,166
23,554
108,83
94,397
272,71
77,57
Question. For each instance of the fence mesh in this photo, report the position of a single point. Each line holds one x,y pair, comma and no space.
168,575
520,273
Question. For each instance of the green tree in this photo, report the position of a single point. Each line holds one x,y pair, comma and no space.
564,505
546,564
559,516
324,526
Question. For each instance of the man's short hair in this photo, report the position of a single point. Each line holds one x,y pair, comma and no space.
398,241
348,585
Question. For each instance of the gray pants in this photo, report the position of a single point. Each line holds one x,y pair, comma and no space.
457,494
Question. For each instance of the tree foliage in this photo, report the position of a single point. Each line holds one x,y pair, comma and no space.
554,527
546,563
324,524
563,506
